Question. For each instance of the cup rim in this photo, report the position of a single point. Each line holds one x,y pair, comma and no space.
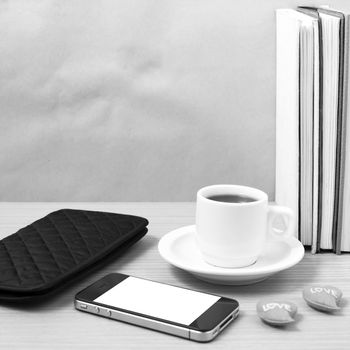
245,190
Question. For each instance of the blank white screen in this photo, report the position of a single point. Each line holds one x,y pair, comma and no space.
158,300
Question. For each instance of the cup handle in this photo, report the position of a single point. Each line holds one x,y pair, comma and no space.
288,219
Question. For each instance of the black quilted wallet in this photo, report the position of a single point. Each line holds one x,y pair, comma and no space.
54,250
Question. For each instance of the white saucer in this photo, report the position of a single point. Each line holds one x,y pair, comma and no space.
179,248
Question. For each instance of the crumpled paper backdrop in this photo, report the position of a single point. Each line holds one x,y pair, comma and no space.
134,100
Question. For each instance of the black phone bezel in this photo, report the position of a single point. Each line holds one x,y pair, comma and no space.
206,322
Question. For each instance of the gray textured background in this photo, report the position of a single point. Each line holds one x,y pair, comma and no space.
136,100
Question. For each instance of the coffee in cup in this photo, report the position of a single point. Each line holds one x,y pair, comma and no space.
233,223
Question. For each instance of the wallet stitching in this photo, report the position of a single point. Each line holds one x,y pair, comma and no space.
12,262
117,228
78,234
65,243
96,229
47,248
31,256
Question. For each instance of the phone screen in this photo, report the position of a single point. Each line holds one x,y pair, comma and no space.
158,300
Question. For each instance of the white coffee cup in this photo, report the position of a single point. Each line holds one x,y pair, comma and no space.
233,234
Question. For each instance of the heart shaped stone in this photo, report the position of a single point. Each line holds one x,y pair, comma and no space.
324,298
277,312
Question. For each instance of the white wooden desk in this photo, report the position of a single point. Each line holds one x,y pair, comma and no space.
55,324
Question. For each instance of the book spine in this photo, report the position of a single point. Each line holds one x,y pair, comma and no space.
340,131
344,125
319,180
316,133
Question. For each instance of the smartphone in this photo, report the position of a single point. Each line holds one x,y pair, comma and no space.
182,312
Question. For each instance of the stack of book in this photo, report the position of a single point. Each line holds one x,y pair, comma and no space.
313,123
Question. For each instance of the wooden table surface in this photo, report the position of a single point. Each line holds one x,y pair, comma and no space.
55,324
